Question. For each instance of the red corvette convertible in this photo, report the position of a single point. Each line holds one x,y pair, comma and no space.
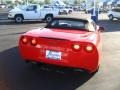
66,42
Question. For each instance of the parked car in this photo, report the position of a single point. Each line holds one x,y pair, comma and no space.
65,10
114,13
32,12
76,9
65,42
70,9
3,6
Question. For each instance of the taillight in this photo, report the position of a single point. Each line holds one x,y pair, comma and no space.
89,48
33,41
24,39
76,47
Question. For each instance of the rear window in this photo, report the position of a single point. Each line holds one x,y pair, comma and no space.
67,24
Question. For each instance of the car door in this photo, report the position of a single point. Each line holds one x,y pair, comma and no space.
32,12
116,13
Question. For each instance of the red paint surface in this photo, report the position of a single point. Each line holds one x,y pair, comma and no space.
62,41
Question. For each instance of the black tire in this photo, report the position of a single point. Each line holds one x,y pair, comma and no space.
48,18
18,18
70,12
111,17
95,71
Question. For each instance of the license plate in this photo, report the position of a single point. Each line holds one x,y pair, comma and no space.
53,55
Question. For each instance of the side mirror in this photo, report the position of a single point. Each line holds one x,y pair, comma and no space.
101,29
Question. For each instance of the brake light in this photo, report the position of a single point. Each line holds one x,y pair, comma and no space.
76,47
34,41
24,40
89,48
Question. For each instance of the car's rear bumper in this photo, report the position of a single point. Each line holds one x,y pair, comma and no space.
89,62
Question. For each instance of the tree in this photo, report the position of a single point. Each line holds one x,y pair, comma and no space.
41,3
8,2
66,2
47,2
17,2
77,2
31,1
1,1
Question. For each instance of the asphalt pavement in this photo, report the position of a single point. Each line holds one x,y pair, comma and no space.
3,16
15,74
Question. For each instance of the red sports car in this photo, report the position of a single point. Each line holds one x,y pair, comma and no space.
66,42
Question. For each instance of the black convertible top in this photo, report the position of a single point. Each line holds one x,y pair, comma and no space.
85,20
68,23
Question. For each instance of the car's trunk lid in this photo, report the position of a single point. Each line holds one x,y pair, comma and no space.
71,35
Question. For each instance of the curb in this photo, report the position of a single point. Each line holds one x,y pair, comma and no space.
3,18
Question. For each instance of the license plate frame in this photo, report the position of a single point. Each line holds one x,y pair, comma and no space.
55,55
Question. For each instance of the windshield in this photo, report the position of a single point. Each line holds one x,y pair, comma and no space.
67,24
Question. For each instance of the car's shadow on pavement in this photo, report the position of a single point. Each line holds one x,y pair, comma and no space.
110,26
18,75
9,22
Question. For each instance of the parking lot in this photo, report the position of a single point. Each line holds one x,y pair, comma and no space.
15,74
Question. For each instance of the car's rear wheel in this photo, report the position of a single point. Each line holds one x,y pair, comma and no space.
18,19
111,17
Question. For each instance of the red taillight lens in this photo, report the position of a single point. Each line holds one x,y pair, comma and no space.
24,40
76,47
89,48
34,41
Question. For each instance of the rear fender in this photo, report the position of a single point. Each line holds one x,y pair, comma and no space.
90,59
